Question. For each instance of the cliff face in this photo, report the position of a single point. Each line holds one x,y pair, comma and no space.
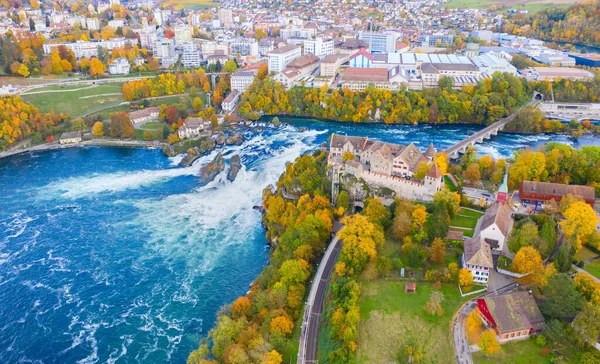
235,164
212,169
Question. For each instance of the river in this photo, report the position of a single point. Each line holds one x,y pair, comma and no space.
114,254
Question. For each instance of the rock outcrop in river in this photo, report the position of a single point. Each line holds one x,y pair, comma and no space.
235,138
235,164
212,169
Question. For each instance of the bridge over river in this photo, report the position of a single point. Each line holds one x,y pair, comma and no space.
486,133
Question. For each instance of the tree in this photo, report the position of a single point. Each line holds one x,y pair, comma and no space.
214,121
563,259
579,223
260,34
422,169
474,326
434,305
197,104
587,286
554,330
148,135
121,126
488,343
453,272
401,225
561,299
384,266
472,173
419,216
465,278
441,159
347,156
437,251
97,129
282,325
527,260
240,307
438,224
376,212
79,125
448,201
343,200
361,238
587,325
230,66
272,357
97,68
293,272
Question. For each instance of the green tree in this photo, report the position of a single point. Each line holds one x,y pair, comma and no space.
230,66
376,212
587,325
437,251
148,135
488,343
79,125
293,272
197,104
343,200
561,298
361,239
554,330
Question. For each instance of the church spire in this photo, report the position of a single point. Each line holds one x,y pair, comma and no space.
503,190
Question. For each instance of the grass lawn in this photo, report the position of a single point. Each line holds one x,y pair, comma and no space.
463,221
593,268
467,212
525,352
391,319
585,254
449,185
76,102
152,126
174,100
533,6
105,114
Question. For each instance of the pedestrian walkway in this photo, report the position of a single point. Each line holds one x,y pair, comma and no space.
585,272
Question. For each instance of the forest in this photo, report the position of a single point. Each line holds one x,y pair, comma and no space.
577,24
484,103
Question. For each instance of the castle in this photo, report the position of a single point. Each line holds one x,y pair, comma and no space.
387,165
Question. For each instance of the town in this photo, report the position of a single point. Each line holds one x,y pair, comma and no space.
430,174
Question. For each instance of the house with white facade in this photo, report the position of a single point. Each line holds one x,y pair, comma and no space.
192,127
231,101
318,47
144,115
119,66
477,258
241,80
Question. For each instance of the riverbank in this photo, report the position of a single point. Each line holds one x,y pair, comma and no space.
85,143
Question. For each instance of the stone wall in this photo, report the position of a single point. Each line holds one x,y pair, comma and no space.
404,188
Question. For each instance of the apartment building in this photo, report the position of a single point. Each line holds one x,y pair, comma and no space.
241,80
319,47
280,57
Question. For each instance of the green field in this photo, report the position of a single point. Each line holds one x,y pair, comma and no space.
391,319
593,268
584,254
526,352
466,219
75,100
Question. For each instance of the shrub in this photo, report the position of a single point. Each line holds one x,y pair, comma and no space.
541,340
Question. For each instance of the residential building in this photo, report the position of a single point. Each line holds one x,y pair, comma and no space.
297,69
148,38
191,128
183,34
265,46
331,63
218,58
496,224
70,137
318,47
280,57
241,80
144,115
379,42
88,49
119,66
244,47
433,40
191,56
477,258
164,50
350,46
226,17
116,23
512,316
546,191
230,101
92,23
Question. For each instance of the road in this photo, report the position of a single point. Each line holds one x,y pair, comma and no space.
459,332
311,321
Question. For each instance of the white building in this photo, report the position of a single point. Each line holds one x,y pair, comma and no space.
230,101
148,38
318,47
119,66
164,50
241,80
92,23
226,17
496,224
192,127
280,57
89,49
116,23
158,16
191,55
477,258
211,47
182,34
489,63
379,42
331,63
244,47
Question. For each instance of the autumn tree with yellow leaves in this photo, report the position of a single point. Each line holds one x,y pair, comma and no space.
361,239
579,223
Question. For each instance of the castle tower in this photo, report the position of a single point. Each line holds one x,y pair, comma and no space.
430,152
502,195
434,179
